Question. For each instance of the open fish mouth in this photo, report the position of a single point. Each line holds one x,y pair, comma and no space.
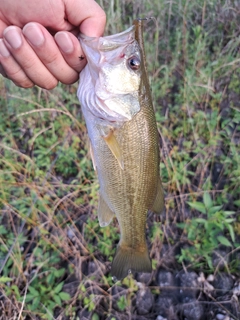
110,42
110,60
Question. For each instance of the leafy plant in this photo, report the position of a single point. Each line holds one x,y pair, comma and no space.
122,303
45,298
208,232
102,239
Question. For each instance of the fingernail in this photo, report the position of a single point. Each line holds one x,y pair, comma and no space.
3,50
33,34
64,42
13,37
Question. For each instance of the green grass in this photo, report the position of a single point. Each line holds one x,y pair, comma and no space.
49,232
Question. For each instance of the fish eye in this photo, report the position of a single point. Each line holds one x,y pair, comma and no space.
134,63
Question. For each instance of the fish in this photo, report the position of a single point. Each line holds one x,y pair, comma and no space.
115,98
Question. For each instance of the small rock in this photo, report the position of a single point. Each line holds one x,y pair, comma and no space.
165,279
223,283
143,277
144,300
168,286
189,287
193,311
164,306
160,318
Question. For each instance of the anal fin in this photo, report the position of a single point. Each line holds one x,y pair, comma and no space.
115,148
158,205
105,214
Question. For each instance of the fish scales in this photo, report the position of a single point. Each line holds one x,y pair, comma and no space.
113,180
129,173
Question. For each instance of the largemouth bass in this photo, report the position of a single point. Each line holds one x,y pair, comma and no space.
116,102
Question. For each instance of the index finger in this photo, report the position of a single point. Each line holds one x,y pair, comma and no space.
88,15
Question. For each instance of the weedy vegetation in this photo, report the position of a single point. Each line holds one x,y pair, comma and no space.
54,258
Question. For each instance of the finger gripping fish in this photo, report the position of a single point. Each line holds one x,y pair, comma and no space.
116,102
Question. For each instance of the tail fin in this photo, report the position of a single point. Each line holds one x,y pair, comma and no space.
127,260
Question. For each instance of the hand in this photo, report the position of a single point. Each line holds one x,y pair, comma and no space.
47,50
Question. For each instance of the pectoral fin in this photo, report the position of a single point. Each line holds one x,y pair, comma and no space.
115,148
158,205
105,214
